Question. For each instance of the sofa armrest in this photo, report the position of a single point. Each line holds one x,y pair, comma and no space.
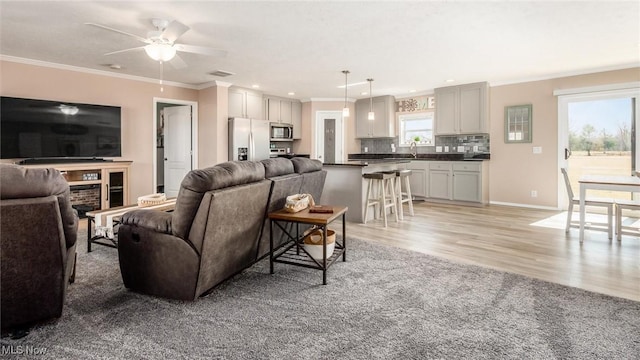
154,220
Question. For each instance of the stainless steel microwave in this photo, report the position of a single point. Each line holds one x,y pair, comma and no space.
281,132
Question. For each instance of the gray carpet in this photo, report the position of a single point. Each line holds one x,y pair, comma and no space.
383,303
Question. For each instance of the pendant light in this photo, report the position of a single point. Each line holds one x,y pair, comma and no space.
345,110
371,116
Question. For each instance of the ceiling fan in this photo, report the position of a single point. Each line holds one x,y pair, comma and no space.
161,44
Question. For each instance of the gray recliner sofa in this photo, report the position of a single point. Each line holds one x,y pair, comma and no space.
38,231
217,229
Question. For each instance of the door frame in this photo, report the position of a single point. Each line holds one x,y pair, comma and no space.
613,91
194,134
318,131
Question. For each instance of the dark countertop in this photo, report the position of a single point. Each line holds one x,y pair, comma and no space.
367,162
429,157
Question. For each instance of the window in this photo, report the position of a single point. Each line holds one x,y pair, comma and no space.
416,127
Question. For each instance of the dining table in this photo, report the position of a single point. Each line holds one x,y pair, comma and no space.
604,182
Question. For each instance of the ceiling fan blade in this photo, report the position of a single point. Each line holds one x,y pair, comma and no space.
200,50
177,63
125,50
174,30
140,38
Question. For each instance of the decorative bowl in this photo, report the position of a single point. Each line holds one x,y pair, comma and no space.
313,243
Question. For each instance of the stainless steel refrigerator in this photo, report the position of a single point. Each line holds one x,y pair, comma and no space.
248,139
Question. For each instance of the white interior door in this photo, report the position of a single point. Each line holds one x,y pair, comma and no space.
177,147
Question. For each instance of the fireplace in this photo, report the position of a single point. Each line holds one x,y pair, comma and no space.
85,198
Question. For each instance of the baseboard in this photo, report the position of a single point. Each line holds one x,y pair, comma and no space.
524,205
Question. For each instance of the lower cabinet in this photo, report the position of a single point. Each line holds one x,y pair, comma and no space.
467,182
450,180
458,181
440,180
115,189
419,179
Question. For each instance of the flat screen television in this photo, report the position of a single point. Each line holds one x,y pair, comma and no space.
43,129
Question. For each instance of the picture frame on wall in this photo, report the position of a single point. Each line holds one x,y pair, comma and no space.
518,121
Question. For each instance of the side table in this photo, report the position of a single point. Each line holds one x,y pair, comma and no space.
292,251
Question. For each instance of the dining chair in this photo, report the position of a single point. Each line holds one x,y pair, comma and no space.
599,202
625,229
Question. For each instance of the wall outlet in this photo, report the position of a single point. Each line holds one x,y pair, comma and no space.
438,148
366,149
446,149
475,148
537,149
534,193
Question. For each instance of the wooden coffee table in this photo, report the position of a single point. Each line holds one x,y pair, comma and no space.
107,220
292,252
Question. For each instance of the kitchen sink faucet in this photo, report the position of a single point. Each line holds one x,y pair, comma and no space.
413,148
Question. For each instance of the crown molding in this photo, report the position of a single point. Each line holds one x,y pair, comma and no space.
635,85
566,74
92,71
415,94
327,99
213,83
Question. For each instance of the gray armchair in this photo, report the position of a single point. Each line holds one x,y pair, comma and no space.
38,230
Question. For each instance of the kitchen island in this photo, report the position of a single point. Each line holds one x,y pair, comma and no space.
345,185
450,178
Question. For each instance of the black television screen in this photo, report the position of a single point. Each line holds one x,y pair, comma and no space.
52,129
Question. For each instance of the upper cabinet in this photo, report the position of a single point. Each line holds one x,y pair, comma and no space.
383,125
296,119
462,109
245,103
287,111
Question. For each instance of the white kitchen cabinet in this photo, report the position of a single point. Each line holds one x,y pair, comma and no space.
383,125
462,109
296,119
440,180
459,181
245,103
467,181
419,179
272,109
283,111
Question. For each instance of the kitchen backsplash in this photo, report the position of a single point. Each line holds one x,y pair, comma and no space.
470,144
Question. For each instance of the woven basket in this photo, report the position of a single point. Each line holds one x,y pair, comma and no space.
313,243
151,200
298,202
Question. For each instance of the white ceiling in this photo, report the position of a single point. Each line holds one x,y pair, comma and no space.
303,46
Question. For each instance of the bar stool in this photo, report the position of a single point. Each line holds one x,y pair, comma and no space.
385,197
403,175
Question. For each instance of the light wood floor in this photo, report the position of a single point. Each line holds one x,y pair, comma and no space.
504,238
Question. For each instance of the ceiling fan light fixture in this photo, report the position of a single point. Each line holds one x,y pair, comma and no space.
160,52
68,110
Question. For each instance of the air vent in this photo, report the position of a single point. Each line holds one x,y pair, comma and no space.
221,73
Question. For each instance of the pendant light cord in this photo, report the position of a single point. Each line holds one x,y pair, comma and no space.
346,73
370,96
